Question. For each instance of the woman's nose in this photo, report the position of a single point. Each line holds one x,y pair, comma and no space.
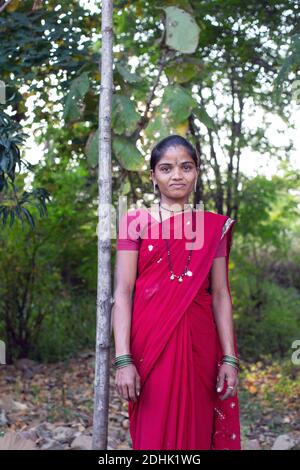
177,173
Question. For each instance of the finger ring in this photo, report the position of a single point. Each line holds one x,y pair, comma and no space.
230,386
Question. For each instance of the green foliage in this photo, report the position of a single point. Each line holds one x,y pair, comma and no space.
167,77
182,31
175,107
291,63
35,44
92,148
204,117
182,71
124,117
14,204
78,90
268,321
67,329
50,269
266,273
128,76
127,154
267,210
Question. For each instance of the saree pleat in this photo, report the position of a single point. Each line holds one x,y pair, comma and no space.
177,352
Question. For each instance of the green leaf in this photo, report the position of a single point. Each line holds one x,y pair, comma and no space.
178,102
158,128
182,31
127,154
204,117
124,117
174,109
91,149
182,72
28,216
126,186
78,90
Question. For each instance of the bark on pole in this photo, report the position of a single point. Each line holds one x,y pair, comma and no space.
104,297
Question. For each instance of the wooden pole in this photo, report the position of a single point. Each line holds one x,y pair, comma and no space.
104,298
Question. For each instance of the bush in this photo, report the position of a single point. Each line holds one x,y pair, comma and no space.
65,331
267,318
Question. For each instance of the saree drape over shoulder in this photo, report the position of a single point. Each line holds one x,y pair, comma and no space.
174,339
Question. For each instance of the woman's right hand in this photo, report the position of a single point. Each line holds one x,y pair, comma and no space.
128,382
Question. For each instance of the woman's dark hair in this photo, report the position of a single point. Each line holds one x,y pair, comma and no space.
171,141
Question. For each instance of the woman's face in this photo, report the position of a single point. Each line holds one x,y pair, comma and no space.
175,173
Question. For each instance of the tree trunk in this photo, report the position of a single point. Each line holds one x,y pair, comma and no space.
104,298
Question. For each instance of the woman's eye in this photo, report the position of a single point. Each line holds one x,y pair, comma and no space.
186,168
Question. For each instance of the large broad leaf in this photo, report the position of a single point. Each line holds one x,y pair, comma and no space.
79,88
182,31
182,72
124,117
91,149
127,154
124,149
174,109
126,186
178,103
158,127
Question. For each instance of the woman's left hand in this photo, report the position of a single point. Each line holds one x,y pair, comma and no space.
230,374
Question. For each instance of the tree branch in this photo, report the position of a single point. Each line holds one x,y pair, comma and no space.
2,8
144,119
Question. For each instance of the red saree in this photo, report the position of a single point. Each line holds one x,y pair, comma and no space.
174,339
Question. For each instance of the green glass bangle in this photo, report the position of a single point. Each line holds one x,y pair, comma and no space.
124,361
231,357
122,356
123,365
121,361
230,362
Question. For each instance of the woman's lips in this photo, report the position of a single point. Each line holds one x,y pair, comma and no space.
177,185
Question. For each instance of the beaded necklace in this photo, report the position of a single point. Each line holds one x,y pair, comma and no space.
186,271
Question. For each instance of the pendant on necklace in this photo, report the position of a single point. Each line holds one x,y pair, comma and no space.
180,278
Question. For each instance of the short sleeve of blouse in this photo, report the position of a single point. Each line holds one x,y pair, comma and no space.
222,248
128,234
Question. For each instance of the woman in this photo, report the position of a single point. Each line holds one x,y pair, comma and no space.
175,347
